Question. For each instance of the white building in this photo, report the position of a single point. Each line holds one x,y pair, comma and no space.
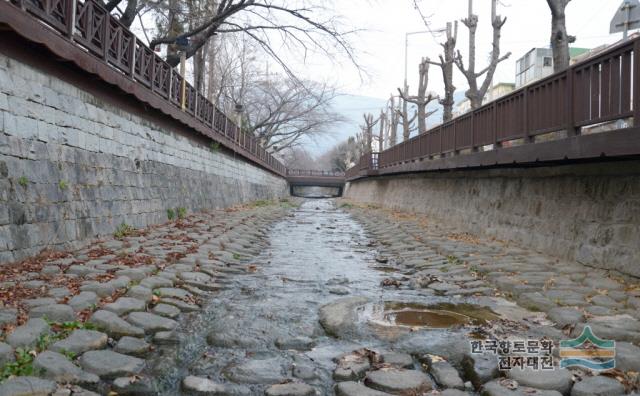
538,63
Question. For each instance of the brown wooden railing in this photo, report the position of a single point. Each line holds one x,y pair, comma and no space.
88,25
602,88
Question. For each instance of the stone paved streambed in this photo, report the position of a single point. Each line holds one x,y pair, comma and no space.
321,299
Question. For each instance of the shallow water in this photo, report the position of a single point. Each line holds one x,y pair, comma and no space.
318,251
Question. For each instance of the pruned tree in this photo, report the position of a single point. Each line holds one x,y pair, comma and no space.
447,59
382,121
476,93
422,99
393,120
560,39
367,129
342,156
403,114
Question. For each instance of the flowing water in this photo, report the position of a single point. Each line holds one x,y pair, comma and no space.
264,327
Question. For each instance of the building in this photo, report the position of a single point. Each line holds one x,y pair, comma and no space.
538,63
496,91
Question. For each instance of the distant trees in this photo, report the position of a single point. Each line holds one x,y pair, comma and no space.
560,39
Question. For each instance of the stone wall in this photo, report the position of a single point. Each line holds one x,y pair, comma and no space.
588,213
78,157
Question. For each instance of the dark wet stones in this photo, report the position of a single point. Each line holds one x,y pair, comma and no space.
56,313
132,346
172,292
351,369
338,318
356,389
296,343
558,380
263,371
81,341
562,316
598,386
166,338
27,335
55,366
151,323
27,386
290,389
113,325
125,305
398,380
109,364
445,375
200,386
480,368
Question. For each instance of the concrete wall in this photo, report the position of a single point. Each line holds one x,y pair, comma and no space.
77,158
589,212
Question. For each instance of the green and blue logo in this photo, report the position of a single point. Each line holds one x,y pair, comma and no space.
588,351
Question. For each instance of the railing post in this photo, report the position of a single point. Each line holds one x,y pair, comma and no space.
570,126
132,56
105,36
71,18
636,83
525,115
494,125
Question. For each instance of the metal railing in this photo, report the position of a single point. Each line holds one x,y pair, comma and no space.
314,173
88,25
600,89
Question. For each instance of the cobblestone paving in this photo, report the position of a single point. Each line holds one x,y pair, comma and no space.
269,299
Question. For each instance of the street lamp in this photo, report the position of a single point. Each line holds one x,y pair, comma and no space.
406,50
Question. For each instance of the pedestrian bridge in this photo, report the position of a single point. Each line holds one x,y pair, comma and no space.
300,182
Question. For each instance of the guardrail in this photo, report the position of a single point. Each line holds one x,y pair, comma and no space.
314,173
89,26
597,90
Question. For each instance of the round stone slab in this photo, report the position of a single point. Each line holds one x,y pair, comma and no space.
109,364
81,341
398,380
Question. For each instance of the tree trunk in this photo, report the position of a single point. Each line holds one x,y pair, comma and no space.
381,133
559,38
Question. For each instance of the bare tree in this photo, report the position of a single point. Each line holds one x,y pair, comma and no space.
367,129
302,24
382,120
447,59
403,114
281,111
560,40
476,93
422,99
394,119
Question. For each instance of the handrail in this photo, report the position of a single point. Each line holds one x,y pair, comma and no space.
599,89
314,173
86,24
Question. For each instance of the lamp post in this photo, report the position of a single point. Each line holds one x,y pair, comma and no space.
406,50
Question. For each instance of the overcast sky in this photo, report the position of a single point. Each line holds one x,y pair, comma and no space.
381,46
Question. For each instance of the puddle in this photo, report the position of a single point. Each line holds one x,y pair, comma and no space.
435,316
